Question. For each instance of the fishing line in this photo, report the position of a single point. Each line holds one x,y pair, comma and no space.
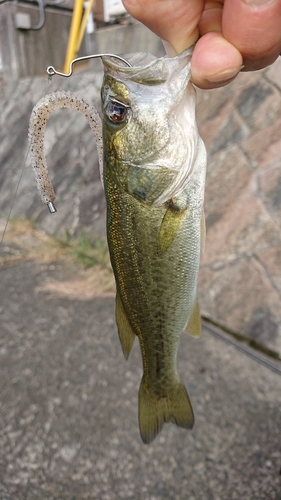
14,197
241,348
49,80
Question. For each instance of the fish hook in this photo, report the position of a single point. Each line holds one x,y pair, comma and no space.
52,71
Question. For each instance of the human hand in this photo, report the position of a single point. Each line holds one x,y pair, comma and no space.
234,35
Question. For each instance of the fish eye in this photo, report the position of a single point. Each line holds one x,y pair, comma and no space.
116,111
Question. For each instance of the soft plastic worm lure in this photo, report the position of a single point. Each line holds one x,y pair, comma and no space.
38,120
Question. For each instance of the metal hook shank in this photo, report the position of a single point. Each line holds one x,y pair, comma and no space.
52,71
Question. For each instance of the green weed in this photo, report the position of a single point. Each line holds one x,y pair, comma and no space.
88,249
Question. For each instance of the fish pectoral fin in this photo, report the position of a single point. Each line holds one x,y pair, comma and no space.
125,332
154,411
193,326
170,228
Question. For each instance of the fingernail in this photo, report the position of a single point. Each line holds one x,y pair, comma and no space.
224,75
258,3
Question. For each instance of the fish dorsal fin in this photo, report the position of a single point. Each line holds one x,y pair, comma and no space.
193,326
203,232
125,332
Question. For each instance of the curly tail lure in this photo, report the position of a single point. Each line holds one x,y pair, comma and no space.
37,125
38,120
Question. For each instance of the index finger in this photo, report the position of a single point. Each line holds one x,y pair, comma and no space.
174,21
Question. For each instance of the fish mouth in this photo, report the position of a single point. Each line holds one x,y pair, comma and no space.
146,68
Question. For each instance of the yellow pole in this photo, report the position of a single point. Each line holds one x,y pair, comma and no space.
84,24
74,29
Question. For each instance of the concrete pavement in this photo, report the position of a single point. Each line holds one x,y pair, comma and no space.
69,427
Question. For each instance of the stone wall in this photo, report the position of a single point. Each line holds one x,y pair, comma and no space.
240,278
70,151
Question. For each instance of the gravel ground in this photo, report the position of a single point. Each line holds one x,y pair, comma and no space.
69,426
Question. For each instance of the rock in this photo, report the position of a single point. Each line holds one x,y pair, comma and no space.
240,277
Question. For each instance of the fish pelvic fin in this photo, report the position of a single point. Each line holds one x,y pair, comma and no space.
125,331
193,326
155,410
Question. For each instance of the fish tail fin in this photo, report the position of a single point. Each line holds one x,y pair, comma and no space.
154,410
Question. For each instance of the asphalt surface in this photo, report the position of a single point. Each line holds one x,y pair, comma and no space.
69,427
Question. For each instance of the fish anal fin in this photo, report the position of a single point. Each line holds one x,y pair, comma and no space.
174,406
193,326
125,332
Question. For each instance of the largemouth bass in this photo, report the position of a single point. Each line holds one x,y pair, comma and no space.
154,175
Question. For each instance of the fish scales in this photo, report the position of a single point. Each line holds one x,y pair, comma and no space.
154,174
